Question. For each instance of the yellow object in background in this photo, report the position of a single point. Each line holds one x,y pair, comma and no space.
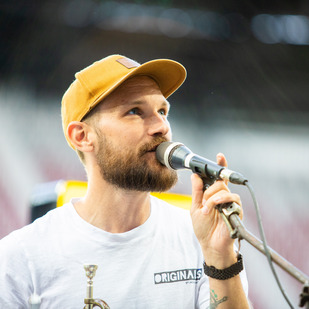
66,190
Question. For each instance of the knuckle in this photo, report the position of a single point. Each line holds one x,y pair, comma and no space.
237,198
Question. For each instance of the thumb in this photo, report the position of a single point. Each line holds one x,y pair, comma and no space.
197,192
221,160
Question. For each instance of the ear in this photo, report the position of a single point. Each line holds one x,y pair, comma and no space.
80,136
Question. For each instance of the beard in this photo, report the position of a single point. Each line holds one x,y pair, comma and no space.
134,169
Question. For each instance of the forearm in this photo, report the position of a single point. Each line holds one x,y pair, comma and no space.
226,293
226,289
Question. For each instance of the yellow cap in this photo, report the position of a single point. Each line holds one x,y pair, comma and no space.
98,80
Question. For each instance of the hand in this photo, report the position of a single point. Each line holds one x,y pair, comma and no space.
209,227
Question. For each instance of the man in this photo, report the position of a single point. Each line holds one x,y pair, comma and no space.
150,254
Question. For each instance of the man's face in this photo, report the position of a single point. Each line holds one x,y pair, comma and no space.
131,123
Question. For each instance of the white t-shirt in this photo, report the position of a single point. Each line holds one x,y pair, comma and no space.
156,265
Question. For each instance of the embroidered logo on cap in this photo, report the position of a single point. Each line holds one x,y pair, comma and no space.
128,63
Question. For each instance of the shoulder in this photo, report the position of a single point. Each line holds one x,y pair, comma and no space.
21,255
36,231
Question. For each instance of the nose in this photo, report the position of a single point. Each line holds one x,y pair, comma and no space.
158,125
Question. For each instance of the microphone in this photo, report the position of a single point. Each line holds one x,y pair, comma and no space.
176,156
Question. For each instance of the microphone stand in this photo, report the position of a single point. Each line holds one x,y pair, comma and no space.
229,213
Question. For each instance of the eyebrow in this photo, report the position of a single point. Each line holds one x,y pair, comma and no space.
164,103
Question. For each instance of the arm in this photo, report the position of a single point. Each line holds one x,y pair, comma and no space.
215,241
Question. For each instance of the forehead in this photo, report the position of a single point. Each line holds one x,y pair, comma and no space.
134,89
137,83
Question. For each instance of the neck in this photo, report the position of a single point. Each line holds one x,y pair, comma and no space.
112,209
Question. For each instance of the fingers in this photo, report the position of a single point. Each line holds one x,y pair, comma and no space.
221,197
197,191
216,194
217,186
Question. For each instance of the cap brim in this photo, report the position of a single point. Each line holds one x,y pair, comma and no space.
168,74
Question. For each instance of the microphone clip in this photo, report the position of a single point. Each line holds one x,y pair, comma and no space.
226,210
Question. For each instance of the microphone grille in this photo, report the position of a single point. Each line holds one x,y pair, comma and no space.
164,152
171,152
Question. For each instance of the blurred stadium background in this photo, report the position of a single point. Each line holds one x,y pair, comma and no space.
246,95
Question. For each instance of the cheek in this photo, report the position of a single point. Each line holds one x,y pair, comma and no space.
129,139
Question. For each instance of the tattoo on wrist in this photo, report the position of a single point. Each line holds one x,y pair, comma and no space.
214,301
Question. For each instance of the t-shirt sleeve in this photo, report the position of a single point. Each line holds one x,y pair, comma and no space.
15,277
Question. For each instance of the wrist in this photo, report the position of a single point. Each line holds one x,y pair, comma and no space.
225,273
220,260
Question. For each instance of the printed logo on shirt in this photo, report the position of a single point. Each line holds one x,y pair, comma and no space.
193,274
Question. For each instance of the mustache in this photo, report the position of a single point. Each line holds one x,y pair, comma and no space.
151,146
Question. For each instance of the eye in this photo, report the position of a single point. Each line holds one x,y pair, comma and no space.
162,112
134,111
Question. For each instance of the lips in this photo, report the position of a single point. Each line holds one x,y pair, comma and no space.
152,146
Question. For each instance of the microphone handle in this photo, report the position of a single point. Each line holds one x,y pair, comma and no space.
206,169
207,182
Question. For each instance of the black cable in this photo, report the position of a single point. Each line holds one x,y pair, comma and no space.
267,252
